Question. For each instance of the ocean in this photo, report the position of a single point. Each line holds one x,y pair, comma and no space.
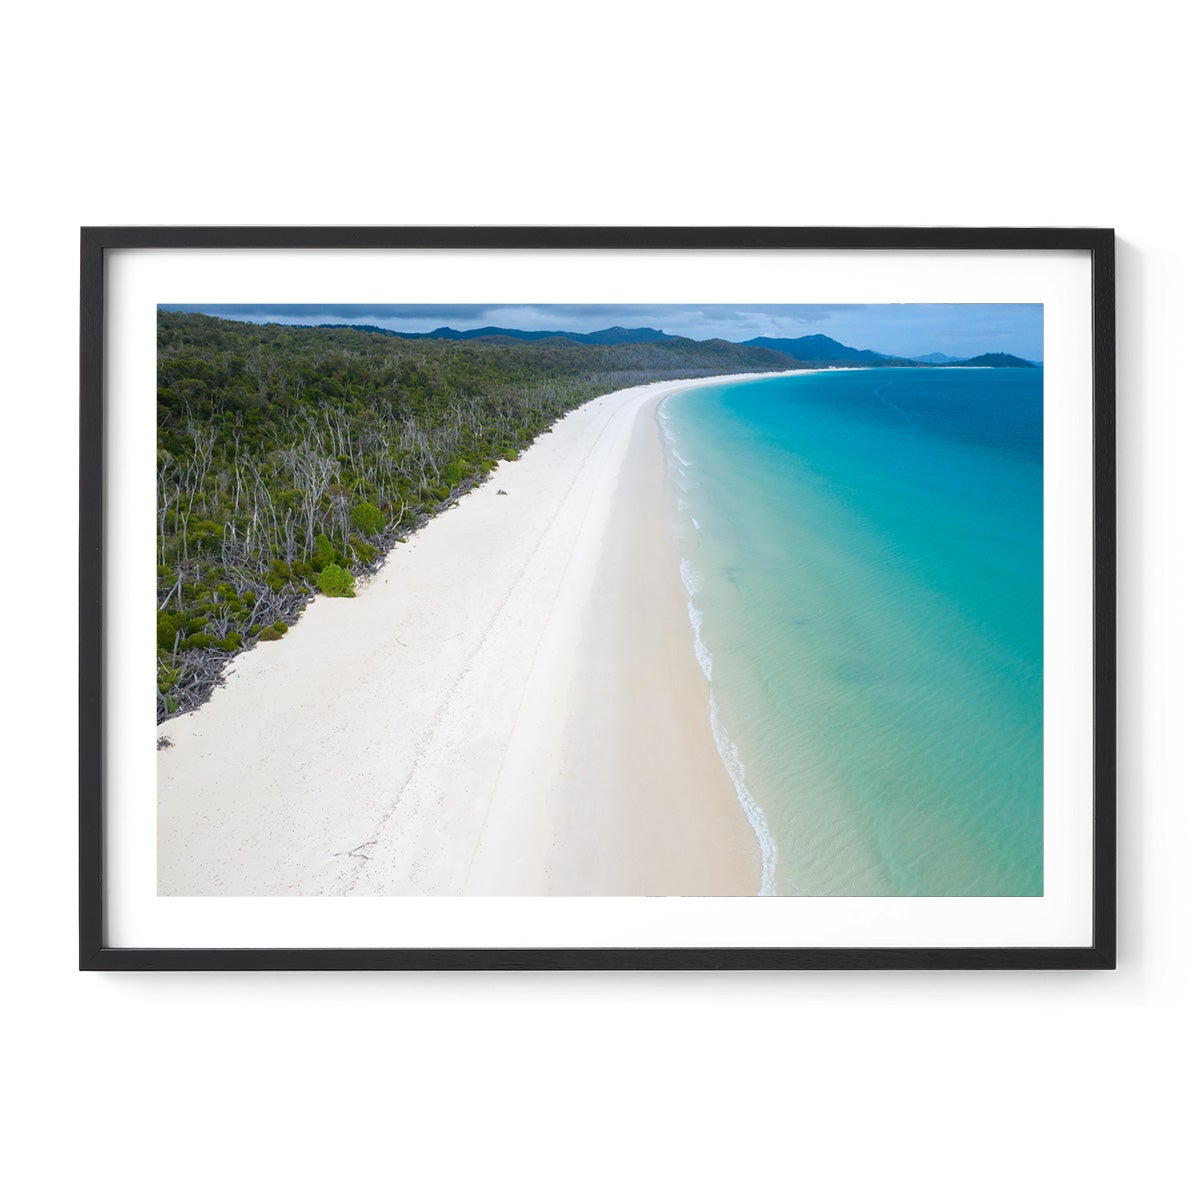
863,555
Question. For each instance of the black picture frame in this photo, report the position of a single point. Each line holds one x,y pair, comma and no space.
97,242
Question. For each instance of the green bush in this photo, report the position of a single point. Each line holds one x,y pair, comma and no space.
270,634
336,581
167,629
205,534
323,552
366,518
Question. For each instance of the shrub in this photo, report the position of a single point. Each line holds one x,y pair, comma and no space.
205,534
336,581
366,518
166,632
270,634
323,552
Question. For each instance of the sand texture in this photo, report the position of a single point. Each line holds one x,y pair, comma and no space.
510,706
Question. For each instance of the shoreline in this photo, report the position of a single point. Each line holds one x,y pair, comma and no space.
510,706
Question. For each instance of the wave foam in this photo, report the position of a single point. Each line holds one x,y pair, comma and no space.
693,580
726,747
702,655
669,434
736,771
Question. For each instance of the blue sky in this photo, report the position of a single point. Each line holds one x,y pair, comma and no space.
900,329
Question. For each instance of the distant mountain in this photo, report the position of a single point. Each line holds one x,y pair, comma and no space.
617,336
818,350
980,360
815,350
822,351
990,360
614,336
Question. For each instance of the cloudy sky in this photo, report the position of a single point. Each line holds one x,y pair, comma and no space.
959,330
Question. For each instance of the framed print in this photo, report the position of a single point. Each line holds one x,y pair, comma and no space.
597,598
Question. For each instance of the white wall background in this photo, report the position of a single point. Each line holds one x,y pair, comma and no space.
626,113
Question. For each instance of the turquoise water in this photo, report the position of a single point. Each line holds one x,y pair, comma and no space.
863,551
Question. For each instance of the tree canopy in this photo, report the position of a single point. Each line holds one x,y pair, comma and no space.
284,450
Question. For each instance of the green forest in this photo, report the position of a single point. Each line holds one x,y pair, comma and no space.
291,459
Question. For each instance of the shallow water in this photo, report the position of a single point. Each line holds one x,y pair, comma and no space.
863,551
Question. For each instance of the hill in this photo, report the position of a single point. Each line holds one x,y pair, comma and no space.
990,360
813,350
616,335
818,350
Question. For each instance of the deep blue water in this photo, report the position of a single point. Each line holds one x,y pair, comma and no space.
864,552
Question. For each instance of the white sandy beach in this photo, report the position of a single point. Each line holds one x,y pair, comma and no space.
511,706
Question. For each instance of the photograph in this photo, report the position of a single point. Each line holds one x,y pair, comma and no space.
624,585
570,599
